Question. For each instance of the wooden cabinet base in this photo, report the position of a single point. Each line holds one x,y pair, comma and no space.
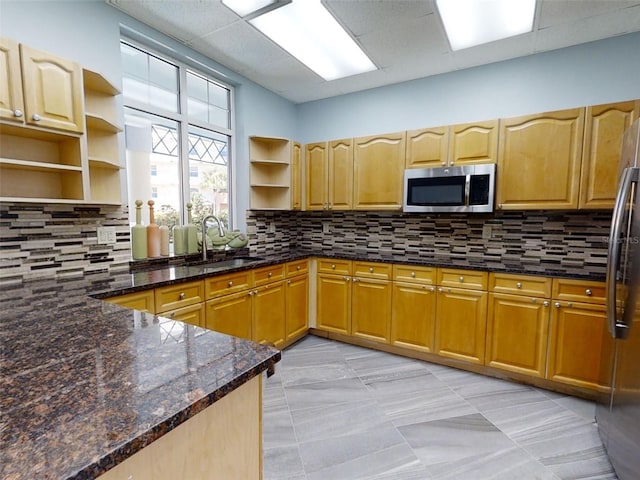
222,441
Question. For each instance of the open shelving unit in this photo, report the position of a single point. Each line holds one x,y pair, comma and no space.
270,173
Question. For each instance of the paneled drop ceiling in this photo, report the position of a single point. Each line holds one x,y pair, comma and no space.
404,38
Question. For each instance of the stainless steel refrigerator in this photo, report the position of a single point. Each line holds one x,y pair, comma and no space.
618,413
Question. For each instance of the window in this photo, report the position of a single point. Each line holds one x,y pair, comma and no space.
178,137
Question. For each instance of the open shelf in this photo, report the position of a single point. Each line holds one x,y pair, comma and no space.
104,183
270,173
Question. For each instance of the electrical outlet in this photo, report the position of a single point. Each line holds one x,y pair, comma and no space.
272,227
106,235
486,232
326,227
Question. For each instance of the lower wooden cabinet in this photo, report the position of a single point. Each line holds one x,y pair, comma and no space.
579,339
230,314
143,301
193,314
517,334
297,307
334,303
461,320
371,309
413,316
268,314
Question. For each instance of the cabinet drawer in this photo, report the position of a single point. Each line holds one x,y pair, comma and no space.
172,297
193,314
339,267
381,271
143,301
268,274
408,273
451,277
527,285
228,283
298,267
579,290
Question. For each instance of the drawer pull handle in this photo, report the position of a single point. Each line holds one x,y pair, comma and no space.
269,274
230,284
36,117
370,269
545,303
346,279
172,315
557,304
432,289
461,279
333,266
413,274
518,285
440,290
298,267
181,295
588,292
17,113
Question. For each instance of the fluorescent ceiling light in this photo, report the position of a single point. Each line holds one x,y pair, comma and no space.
245,7
474,22
307,30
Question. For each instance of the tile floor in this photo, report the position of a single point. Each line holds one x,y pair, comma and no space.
335,411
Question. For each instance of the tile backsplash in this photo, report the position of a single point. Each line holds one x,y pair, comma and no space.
557,240
39,241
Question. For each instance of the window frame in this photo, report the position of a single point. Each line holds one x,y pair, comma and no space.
182,119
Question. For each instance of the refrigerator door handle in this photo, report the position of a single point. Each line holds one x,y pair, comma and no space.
629,176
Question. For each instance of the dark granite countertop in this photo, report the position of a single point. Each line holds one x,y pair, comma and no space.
85,383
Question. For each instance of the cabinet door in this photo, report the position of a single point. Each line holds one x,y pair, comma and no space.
297,299
578,340
517,334
427,147
539,161
269,309
340,177
371,309
52,91
473,143
230,314
603,131
413,316
334,303
378,172
194,314
11,105
317,174
461,319
143,301
296,176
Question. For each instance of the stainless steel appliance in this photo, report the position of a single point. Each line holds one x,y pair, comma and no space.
618,415
449,189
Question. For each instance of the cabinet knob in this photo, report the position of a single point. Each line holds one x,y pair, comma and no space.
413,274
288,282
269,274
172,315
333,267
181,295
346,279
298,267
370,269
444,164
518,285
36,117
251,293
440,290
17,113
557,304
230,284
588,292
461,279
545,303
330,206
499,206
432,289
355,280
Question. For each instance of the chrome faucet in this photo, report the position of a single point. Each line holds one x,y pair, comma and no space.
204,232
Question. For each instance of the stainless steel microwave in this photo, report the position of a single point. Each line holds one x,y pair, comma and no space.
449,189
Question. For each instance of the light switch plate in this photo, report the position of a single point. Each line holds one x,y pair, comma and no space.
486,232
106,235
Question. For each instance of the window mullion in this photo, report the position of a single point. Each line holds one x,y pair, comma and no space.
185,190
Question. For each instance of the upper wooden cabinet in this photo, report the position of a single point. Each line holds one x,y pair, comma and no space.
604,128
463,144
296,176
427,147
329,175
11,100
317,174
52,89
539,160
378,169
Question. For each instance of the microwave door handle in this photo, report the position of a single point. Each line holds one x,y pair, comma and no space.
467,189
